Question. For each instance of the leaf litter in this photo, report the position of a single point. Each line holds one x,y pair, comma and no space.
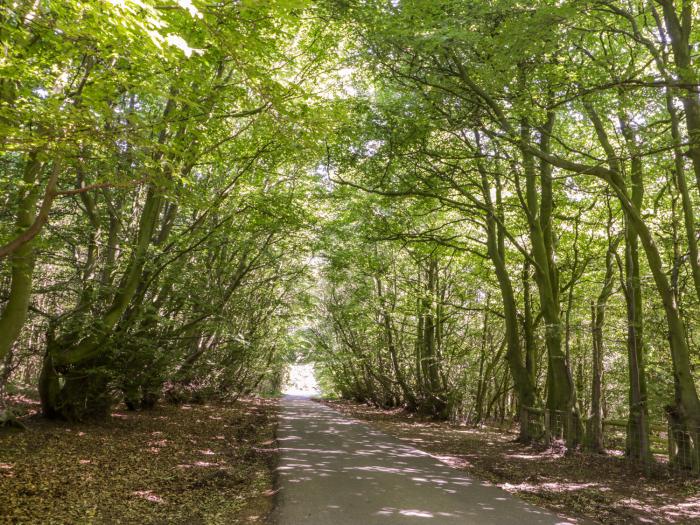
190,464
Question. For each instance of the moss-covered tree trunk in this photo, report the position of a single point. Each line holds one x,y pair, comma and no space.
435,402
495,241
638,424
70,359
539,199
21,261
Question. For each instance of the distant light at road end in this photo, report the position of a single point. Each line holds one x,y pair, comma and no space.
301,381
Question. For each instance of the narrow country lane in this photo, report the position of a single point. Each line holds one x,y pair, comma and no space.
337,471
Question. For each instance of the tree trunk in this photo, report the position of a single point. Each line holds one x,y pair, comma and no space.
528,326
560,388
389,337
76,358
21,261
595,430
679,31
522,378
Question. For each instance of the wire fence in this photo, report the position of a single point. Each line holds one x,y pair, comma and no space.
673,447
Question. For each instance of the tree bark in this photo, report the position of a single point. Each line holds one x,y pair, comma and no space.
22,260
522,378
560,391
595,423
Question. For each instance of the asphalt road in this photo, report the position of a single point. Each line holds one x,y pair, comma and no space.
337,471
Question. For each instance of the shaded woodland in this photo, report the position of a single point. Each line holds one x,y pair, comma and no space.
480,212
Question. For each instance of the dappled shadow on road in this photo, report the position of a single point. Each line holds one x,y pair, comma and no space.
604,488
337,470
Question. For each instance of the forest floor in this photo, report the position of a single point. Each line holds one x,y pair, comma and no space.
603,488
211,463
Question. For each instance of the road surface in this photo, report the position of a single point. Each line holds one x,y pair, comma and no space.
337,471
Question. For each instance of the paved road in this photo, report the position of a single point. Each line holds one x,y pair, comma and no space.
338,471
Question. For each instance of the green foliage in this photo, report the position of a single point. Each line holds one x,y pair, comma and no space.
184,142
420,197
